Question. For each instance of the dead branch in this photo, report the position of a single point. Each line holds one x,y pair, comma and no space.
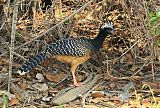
72,94
13,32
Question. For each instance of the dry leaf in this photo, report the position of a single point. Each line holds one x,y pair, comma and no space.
97,100
157,50
4,61
55,77
91,106
89,16
114,98
130,59
22,26
38,18
135,67
2,1
153,85
114,61
112,85
4,69
13,101
127,59
58,10
46,99
23,85
40,77
31,106
97,94
41,87
17,95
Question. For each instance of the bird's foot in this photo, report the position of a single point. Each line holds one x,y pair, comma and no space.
78,84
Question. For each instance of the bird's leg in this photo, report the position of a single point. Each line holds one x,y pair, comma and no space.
73,70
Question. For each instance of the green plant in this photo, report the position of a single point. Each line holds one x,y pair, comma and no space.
5,101
154,18
154,25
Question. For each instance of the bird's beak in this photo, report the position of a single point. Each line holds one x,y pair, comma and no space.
113,32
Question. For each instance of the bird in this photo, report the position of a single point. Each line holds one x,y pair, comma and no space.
74,51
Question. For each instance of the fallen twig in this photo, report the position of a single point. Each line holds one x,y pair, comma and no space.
72,94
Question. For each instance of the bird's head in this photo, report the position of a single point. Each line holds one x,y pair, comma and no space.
108,27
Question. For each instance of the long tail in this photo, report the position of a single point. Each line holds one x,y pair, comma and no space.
33,62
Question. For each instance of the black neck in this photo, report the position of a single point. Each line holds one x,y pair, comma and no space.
98,41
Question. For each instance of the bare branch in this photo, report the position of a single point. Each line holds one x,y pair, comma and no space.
13,32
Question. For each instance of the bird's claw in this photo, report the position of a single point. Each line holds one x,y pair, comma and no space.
78,84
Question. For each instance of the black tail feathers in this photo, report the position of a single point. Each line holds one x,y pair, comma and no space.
33,62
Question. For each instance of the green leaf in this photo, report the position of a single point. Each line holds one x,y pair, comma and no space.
151,14
5,101
158,31
158,42
153,19
158,14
